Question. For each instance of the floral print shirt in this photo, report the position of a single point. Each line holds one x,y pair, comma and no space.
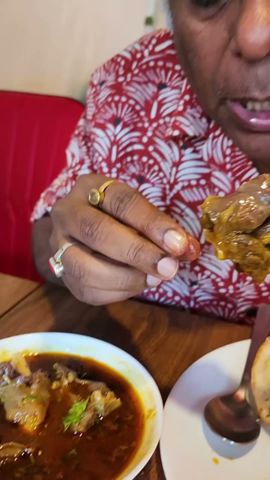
143,125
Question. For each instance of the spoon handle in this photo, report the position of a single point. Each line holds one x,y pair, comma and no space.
261,330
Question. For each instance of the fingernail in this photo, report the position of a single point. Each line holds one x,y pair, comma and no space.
152,281
167,267
175,241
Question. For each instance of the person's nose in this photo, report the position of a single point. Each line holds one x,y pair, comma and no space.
252,35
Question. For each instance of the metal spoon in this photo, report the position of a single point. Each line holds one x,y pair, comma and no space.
234,416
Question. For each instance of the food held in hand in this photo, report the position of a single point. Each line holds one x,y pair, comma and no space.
238,225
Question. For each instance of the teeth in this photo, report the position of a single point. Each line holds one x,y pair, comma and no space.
253,106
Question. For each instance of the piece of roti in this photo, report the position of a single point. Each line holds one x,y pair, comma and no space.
260,381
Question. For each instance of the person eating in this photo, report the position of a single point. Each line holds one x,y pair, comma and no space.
182,114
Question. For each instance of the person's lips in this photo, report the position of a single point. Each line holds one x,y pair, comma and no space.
252,114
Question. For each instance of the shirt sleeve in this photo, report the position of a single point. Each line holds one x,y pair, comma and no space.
81,154
106,129
78,162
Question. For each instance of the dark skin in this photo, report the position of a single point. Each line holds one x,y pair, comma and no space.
236,65
128,245
121,249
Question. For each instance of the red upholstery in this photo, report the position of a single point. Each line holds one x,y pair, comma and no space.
34,133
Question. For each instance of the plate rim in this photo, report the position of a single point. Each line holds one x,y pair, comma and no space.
169,399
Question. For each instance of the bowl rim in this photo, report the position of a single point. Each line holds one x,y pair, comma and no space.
135,364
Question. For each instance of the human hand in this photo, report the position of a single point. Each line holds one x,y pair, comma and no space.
121,248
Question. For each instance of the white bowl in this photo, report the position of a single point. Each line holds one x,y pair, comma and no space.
118,360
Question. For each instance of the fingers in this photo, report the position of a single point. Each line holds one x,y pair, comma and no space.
102,233
124,249
132,209
96,280
130,230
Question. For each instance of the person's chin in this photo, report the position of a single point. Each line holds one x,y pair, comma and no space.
256,146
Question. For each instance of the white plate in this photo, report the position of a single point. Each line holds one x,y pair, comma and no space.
119,361
185,452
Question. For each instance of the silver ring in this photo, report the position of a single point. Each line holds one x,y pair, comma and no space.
55,262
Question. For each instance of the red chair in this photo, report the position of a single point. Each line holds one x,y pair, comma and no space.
34,133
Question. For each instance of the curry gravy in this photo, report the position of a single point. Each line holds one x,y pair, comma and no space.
100,454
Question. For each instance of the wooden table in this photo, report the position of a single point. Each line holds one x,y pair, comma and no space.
13,290
165,340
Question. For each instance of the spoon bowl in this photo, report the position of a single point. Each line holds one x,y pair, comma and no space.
225,448
234,416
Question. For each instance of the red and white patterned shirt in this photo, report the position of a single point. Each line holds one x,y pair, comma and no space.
143,124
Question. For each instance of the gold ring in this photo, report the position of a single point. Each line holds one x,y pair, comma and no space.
96,195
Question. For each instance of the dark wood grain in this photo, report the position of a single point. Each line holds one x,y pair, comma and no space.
165,340
13,290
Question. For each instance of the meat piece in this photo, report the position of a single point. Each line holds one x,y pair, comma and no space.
104,404
85,413
65,376
238,225
20,365
10,370
7,373
11,451
26,403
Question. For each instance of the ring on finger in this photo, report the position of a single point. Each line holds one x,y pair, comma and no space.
96,195
55,262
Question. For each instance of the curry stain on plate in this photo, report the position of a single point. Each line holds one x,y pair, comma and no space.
215,460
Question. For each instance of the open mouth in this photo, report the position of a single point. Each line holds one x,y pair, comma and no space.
256,106
251,114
